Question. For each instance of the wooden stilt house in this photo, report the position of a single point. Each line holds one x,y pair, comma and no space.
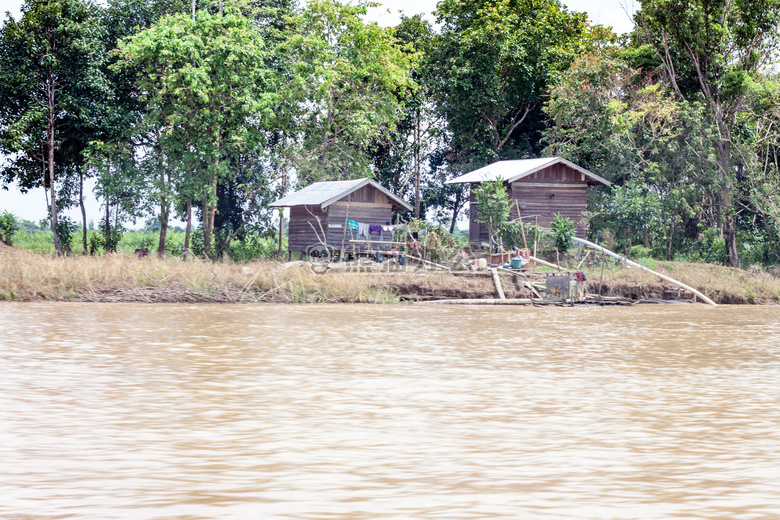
541,187
324,215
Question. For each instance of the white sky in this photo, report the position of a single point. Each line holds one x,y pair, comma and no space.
32,206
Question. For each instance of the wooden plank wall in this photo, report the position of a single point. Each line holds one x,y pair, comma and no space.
557,189
300,236
568,187
365,212
367,205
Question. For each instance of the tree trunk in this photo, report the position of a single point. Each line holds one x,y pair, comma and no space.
205,206
164,216
83,210
109,245
728,225
52,187
209,214
416,157
670,242
730,236
281,215
188,232
455,211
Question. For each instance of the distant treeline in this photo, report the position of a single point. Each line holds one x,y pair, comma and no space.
209,110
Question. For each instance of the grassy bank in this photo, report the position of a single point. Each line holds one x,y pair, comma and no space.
26,275
725,285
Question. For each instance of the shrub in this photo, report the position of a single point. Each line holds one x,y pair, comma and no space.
493,208
65,229
438,243
563,230
8,227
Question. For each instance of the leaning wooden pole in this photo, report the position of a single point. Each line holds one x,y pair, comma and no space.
497,282
640,266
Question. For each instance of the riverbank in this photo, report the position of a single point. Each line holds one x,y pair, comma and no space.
28,276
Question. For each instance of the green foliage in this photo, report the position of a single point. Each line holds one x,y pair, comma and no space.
512,233
97,243
206,83
710,52
9,225
348,80
497,60
493,207
112,234
65,229
563,229
254,247
52,82
437,244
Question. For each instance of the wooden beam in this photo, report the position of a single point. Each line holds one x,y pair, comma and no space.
497,283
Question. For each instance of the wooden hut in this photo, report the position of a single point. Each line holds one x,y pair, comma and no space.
541,187
320,216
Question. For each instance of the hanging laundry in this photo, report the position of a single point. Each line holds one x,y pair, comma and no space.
374,228
362,229
351,224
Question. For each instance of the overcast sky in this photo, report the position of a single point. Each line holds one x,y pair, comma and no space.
32,206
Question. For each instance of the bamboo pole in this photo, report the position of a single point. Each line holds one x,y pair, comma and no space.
548,264
519,218
640,266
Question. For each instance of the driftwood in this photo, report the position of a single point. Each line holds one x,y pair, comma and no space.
640,266
533,289
497,283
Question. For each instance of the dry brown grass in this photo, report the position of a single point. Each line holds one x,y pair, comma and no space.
25,275
722,284
29,276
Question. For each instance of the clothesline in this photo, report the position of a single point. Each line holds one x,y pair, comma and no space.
362,228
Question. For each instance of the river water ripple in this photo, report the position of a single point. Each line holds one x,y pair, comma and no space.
388,412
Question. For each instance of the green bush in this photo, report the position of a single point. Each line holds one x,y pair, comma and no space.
8,227
254,247
97,243
438,243
563,230
65,229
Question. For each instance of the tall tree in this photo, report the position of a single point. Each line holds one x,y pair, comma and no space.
497,60
399,159
50,77
709,49
205,83
349,76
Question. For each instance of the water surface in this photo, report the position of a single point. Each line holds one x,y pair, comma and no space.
376,412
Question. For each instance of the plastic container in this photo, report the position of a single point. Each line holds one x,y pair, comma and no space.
517,262
524,253
481,263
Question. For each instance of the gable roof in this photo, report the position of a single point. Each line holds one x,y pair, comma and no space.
324,194
511,171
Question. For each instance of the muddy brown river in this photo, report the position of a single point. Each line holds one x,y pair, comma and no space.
114,411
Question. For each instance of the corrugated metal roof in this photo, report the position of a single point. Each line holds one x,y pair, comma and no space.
511,171
326,193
